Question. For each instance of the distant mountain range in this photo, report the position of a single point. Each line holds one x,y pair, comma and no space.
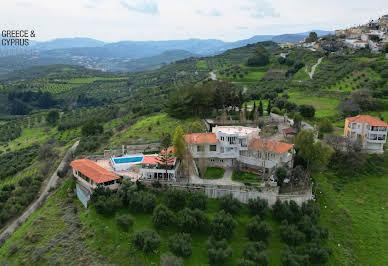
127,56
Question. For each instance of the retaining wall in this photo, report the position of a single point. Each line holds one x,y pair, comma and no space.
242,193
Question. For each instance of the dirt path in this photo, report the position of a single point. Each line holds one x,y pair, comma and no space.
38,202
311,74
213,76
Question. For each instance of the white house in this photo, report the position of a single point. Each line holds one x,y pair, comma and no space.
356,43
268,154
230,146
89,176
152,167
369,130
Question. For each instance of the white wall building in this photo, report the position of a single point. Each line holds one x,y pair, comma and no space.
230,146
153,168
369,130
89,176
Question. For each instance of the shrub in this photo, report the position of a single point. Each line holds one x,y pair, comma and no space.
291,258
290,234
141,201
258,230
146,241
197,201
107,206
222,225
124,221
175,199
289,211
318,254
245,262
180,244
162,216
218,251
258,207
281,174
307,110
325,126
169,259
254,251
191,220
230,204
276,110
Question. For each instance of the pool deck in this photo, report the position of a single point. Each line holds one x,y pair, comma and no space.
133,172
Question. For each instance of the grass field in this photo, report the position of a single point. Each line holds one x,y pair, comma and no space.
151,129
202,64
356,213
213,173
101,236
325,106
30,136
354,81
245,177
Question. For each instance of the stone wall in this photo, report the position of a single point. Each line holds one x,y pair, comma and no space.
242,193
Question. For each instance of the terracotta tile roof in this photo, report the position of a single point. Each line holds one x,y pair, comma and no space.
201,138
154,159
289,130
93,171
361,42
272,146
373,121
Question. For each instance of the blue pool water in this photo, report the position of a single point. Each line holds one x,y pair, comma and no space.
128,159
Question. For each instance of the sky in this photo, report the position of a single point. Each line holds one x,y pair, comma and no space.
227,20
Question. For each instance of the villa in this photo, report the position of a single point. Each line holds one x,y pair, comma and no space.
152,167
369,130
89,176
231,146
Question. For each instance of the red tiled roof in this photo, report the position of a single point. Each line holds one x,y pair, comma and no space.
373,121
361,42
201,138
289,130
154,159
93,171
272,146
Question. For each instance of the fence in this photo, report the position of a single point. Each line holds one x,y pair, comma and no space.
242,193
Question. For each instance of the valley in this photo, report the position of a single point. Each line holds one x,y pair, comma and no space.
299,102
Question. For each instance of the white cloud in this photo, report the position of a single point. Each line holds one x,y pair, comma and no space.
142,6
211,13
114,20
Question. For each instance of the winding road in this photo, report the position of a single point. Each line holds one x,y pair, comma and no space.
45,191
311,74
213,76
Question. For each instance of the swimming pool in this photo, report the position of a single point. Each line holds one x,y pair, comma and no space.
128,159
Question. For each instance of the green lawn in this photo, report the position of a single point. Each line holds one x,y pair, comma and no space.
213,173
245,177
356,213
150,129
202,64
325,106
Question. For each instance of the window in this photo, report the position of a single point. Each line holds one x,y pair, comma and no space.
222,138
213,148
199,148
